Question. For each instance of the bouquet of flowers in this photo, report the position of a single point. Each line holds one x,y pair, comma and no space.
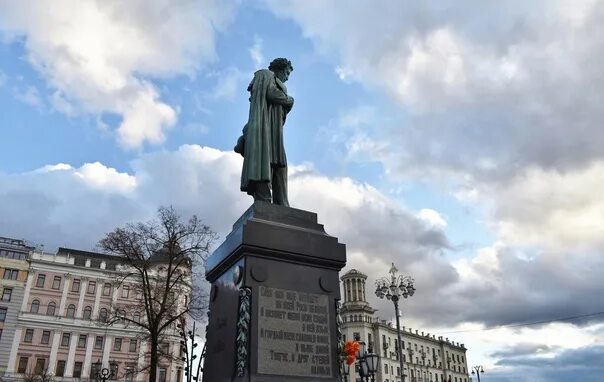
351,349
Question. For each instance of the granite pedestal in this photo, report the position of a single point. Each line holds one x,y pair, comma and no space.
273,302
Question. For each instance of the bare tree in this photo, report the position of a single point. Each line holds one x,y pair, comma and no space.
38,376
158,257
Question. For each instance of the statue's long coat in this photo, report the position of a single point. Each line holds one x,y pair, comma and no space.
263,133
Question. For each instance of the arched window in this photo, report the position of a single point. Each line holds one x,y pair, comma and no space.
103,315
136,317
35,306
52,307
87,313
70,311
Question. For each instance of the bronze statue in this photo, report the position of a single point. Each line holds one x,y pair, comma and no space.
261,144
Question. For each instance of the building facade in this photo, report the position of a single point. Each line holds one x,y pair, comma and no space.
13,269
426,358
65,325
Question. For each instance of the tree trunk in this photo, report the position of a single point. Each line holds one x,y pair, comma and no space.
153,361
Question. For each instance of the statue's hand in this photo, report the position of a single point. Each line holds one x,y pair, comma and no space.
290,102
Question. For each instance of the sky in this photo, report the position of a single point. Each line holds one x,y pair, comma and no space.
460,140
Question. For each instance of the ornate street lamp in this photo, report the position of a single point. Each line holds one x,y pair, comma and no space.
393,288
345,370
102,373
477,370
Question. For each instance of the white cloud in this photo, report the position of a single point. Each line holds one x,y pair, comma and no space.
30,96
99,56
432,217
552,209
256,52
486,90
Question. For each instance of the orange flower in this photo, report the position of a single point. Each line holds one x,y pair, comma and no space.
351,348
350,359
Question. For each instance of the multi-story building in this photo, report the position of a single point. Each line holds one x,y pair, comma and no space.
62,327
14,269
426,358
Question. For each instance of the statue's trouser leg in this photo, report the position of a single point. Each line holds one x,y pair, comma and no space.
260,191
280,186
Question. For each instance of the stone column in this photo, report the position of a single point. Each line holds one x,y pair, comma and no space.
28,284
88,356
140,377
64,293
71,356
107,350
83,287
97,298
12,359
54,349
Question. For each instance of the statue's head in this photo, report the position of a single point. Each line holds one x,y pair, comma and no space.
282,67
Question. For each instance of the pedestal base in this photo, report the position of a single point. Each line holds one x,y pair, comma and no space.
273,300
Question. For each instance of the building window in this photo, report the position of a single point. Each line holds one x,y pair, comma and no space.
77,369
7,294
2,314
87,313
60,369
114,370
40,281
103,315
129,373
117,344
29,335
163,348
11,274
35,306
71,311
56,282
91,287
45,337
136,317
107,289
75,285
51,309
385,369
94,371
22,368
65,339
125,291
40,365
132,348
162,374
0,334
82,340
98,343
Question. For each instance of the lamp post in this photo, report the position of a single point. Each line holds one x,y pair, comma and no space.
477,370
102,373
393,288
187,346
345,370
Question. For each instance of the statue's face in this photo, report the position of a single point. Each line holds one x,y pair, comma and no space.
283,75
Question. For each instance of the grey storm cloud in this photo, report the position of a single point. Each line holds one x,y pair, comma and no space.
584,364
